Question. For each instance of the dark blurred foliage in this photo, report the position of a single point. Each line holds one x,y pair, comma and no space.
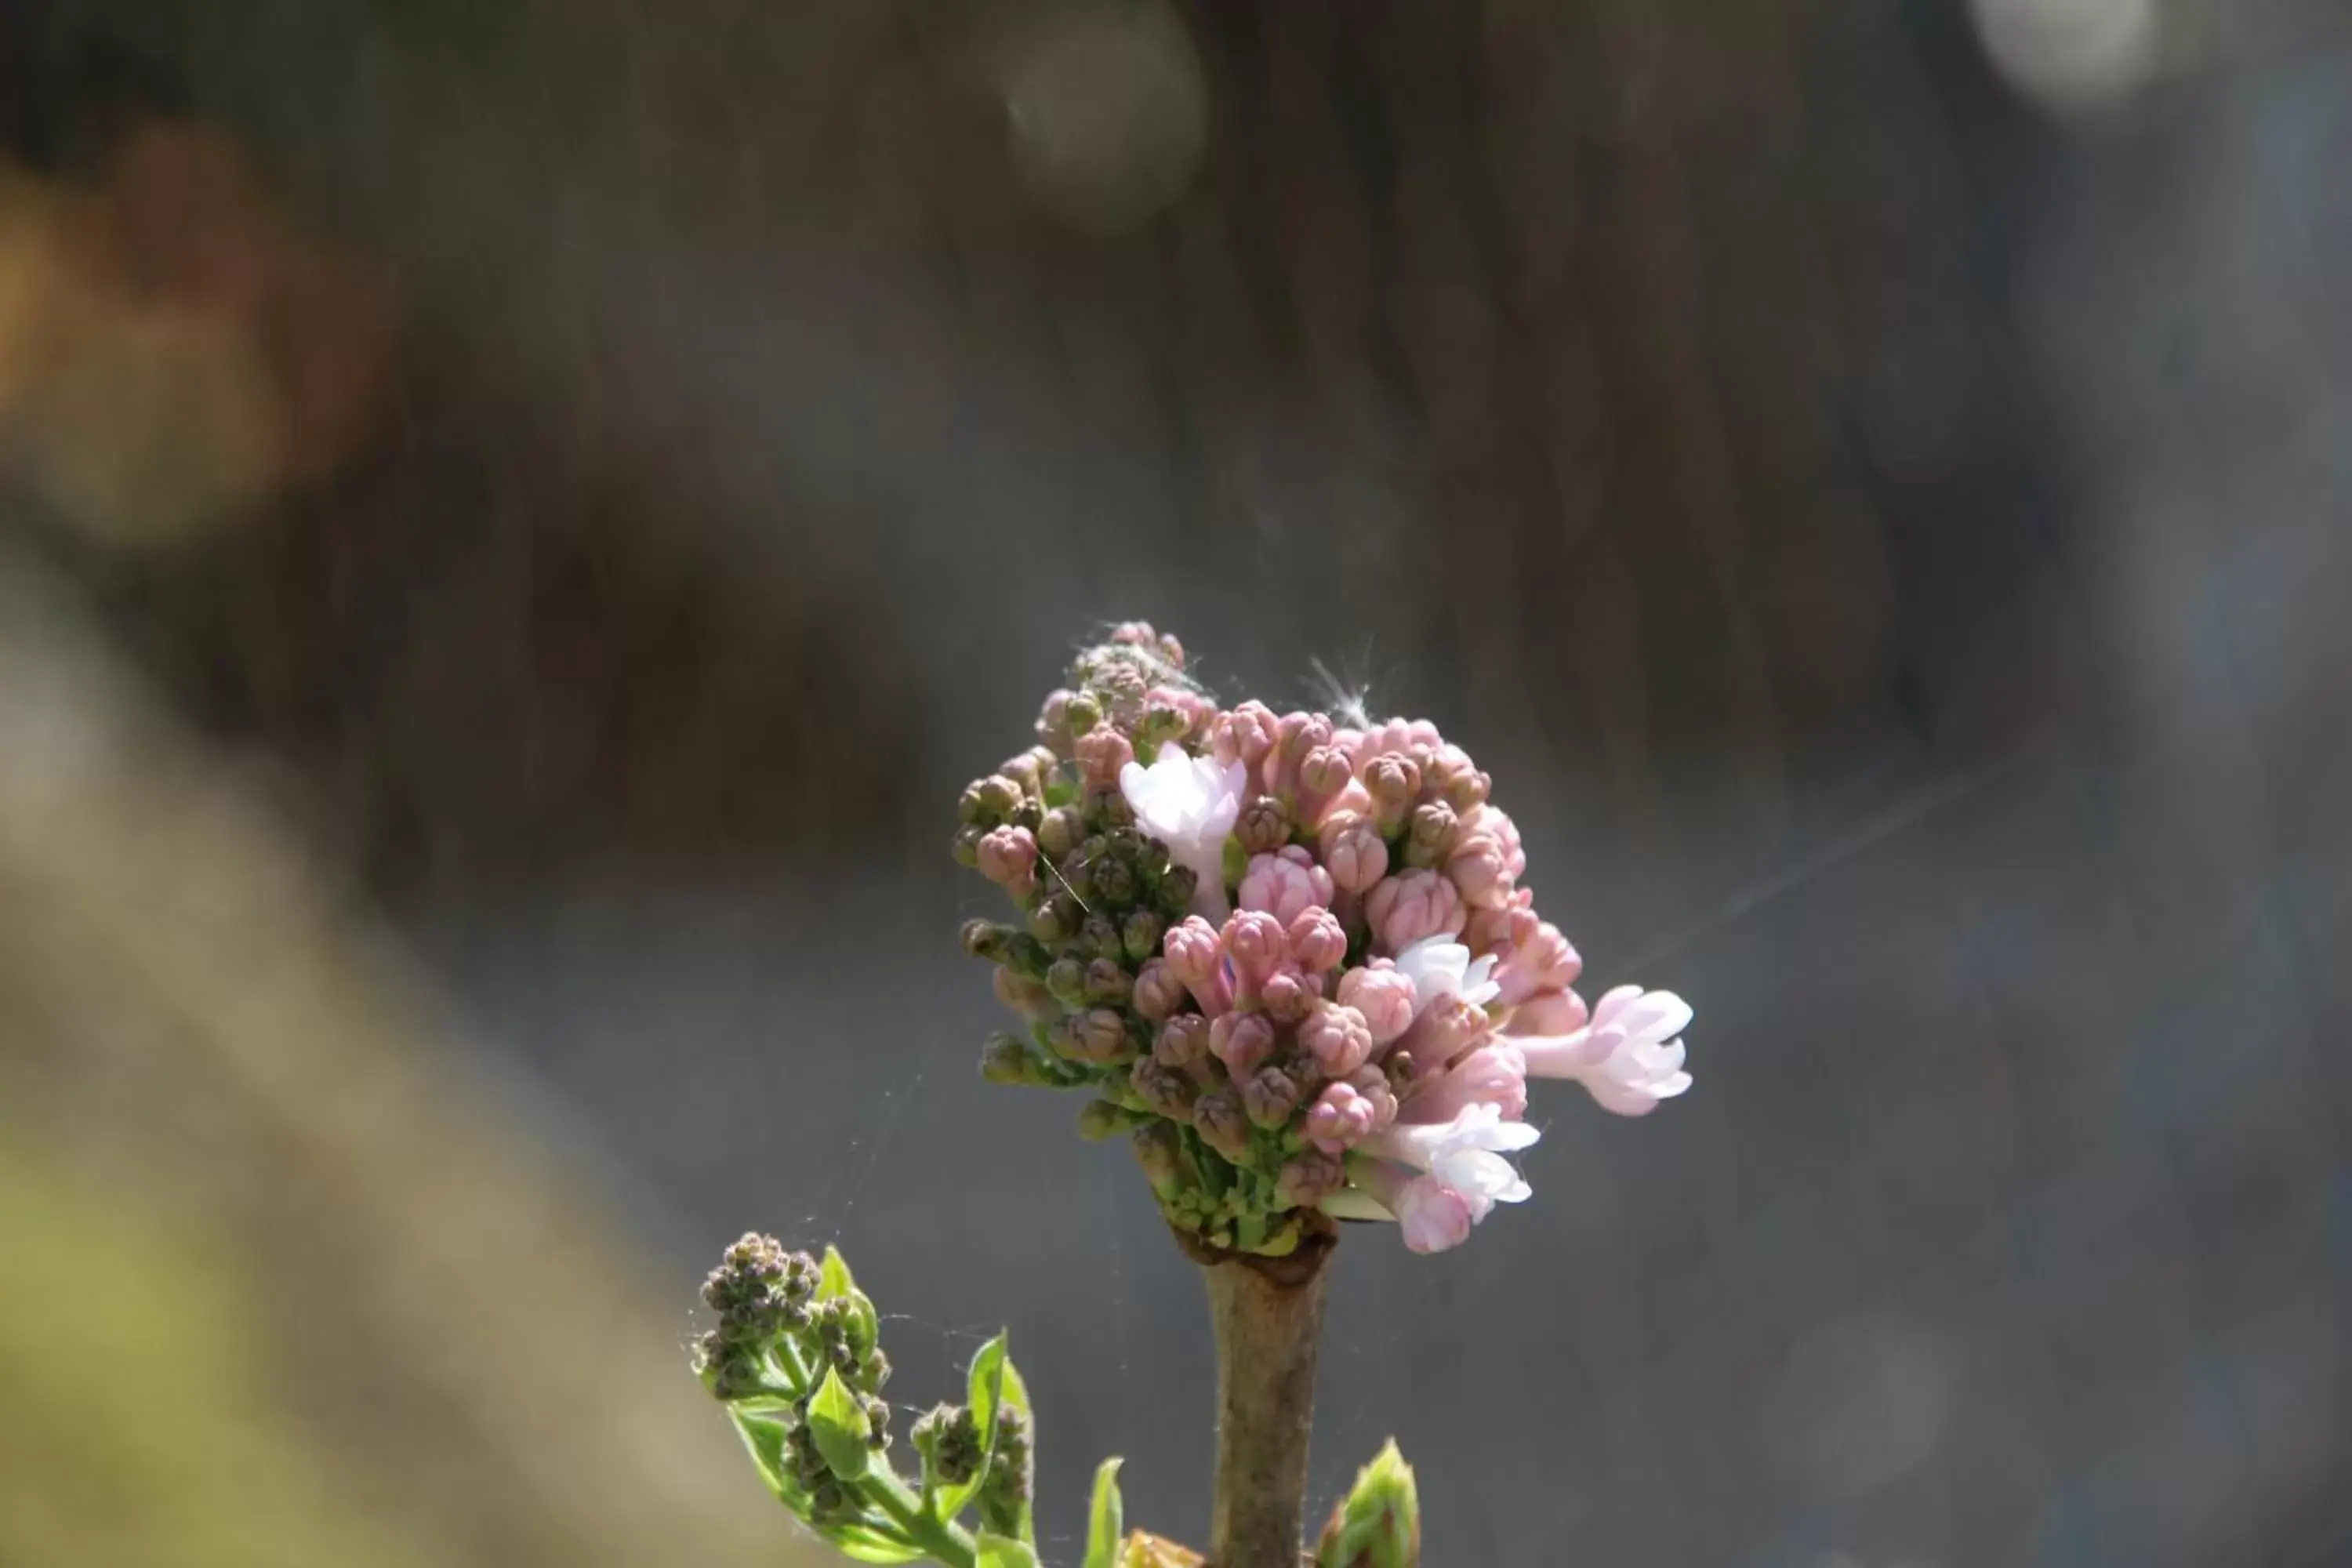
1877,505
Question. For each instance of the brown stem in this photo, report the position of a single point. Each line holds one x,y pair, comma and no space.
1268,1312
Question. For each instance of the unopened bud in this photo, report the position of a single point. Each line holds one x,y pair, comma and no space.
1080,714
1429,834
1000,796
1222,1122
965,846
1055,920
1102,1035
1108,982
1007,1060
1176,891
1269,1097
1066,979
1059,831
1139,935
1104,1119
1159,1149
1263,826
1164,1088
1309,1178
1377,1523
987,940
1098,936
1116,882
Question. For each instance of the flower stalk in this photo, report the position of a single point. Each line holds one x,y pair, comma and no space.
1267,1313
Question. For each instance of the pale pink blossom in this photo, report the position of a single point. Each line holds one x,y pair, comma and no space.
1384,995
1629,1057
1548,1013
1284,884
1438,967
1431,1216
1412,907
1465,1152
1187,804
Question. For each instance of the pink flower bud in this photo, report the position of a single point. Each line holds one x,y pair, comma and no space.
1339,1117
1412,907
1318,941
1284,884
1182,1040
1542,961
1008,856
1393,782
1492,822
1243,1041
1447,1027
1494,1074
1323,773
1158,990
1295,736
1491,930
1382,996
1477,870
1548,1013
1254,940
1289,996
1198,958
1338,1038
1454,778
1245,733
1372,1086
1354,853
1101,754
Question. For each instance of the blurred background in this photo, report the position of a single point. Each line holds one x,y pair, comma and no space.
516,519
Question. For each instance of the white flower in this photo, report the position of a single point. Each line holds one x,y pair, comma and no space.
1439,967
1464,1154
1189,804
1628,1056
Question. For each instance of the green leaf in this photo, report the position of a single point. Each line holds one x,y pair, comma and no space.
865,1326
1014,1395
763,1435
834,1278
836,1419
874,1543
1003,1552
1106,1521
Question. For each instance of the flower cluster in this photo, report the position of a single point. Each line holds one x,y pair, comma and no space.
794,1358
1292,956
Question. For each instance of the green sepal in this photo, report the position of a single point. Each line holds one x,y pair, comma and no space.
1002,1551
1105,1519
872,1543
763,1437
837,1424
834,1279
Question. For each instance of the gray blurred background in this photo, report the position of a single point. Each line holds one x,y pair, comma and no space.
538,506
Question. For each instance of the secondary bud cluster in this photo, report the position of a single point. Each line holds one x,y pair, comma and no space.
1293,956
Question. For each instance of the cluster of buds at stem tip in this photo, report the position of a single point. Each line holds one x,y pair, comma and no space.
1377,1523
1293,955
794,1356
